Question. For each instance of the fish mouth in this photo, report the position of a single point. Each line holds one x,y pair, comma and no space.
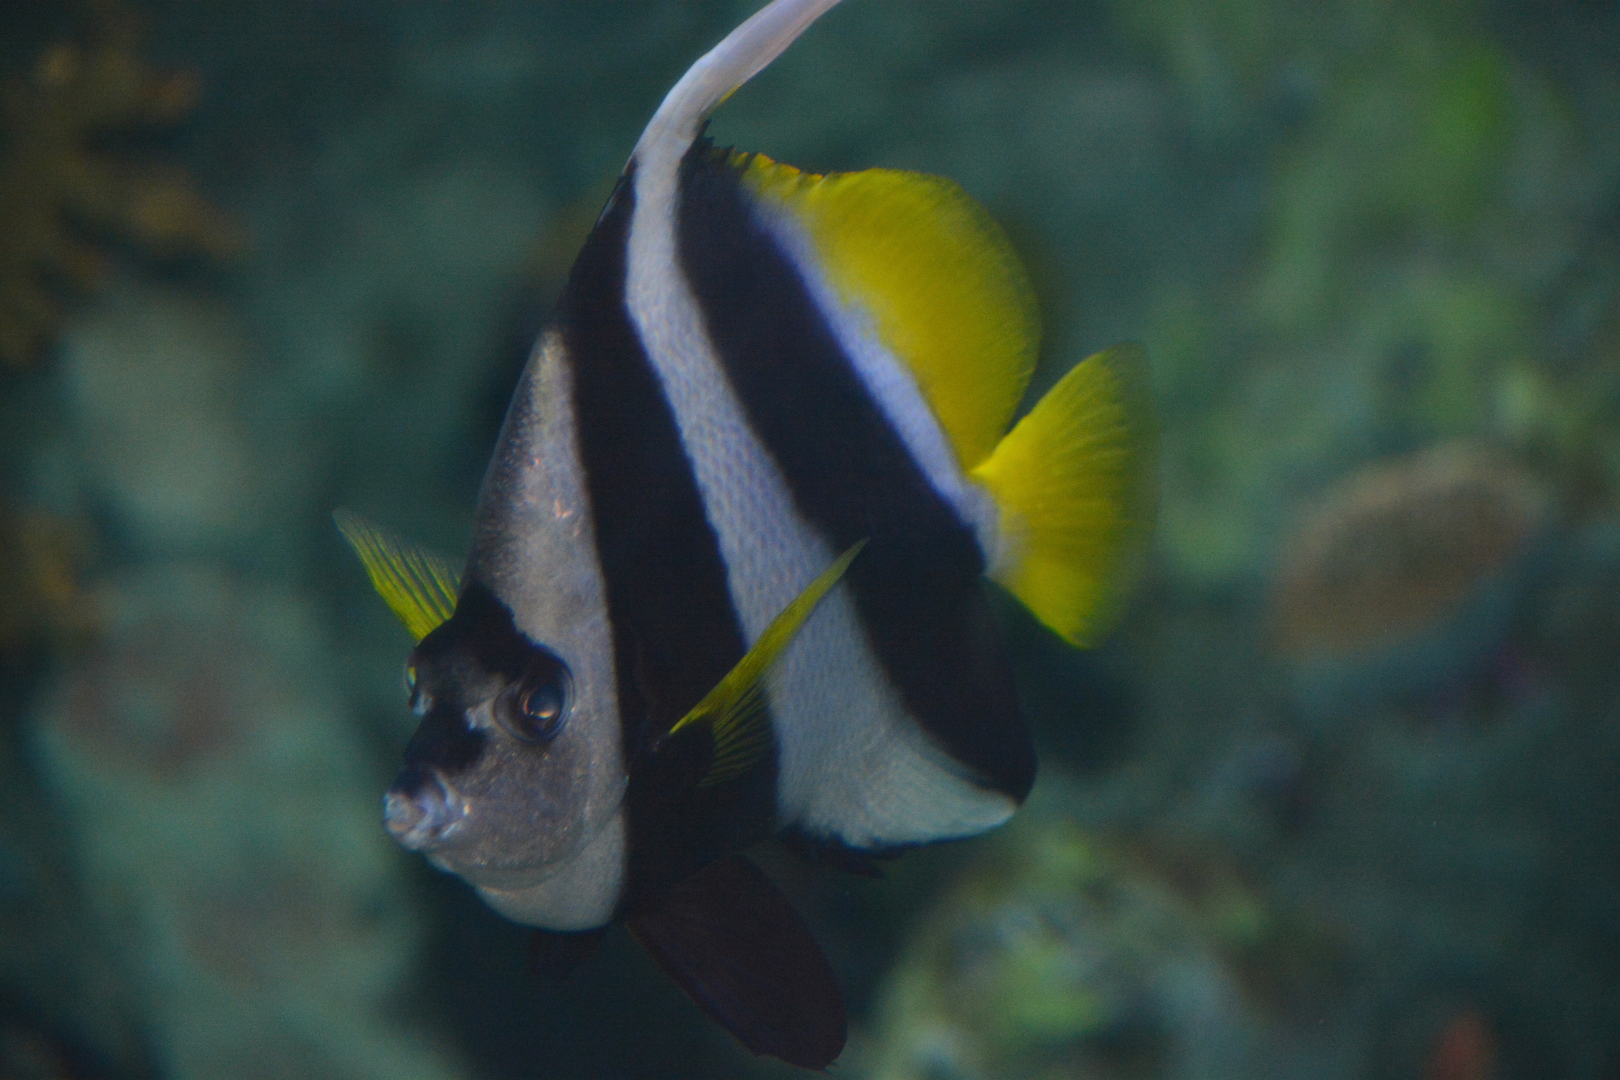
420,810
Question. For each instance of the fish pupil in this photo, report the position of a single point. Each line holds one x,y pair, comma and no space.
536,708
542,709
541,706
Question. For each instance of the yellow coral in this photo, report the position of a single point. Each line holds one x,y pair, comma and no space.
54,180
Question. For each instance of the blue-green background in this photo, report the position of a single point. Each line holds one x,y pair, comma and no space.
1347,232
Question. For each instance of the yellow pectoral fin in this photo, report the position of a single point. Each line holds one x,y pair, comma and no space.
1077,484
938,277
418,585
735,708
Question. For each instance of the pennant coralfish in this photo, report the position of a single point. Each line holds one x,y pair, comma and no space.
726,578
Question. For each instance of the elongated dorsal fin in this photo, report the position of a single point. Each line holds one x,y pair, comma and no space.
418,585
735,708
936,276
743,54
1077,484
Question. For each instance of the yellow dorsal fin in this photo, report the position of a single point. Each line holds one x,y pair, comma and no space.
418,585
735,708
937,276
1077,484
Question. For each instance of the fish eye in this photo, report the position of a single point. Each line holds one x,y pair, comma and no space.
536,708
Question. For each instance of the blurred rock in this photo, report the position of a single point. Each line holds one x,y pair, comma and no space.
1406,574
160,399
54,958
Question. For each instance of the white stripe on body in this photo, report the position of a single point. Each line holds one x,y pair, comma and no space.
853,763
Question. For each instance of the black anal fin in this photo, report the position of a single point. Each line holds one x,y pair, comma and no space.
554,954
731,940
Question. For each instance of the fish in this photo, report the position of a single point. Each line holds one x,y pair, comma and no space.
733,559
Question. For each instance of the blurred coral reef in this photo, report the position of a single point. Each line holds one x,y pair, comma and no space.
204,765
192,880
42,594
1432,213
213,796
63,186
1064,954
1368,675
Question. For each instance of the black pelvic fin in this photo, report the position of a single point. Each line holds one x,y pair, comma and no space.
731,940
554,954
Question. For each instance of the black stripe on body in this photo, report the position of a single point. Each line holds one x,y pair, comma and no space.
917,585
675,632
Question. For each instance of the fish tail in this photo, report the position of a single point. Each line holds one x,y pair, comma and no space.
1076,481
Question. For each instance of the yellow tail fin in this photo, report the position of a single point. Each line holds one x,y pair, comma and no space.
1077,483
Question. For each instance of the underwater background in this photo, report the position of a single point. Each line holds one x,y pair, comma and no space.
1340,799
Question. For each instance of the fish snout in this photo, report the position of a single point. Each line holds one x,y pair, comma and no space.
420,809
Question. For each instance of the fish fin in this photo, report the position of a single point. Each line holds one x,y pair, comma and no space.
735,709
417,584
555,954
936,276
718,73
1077,484
730,939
